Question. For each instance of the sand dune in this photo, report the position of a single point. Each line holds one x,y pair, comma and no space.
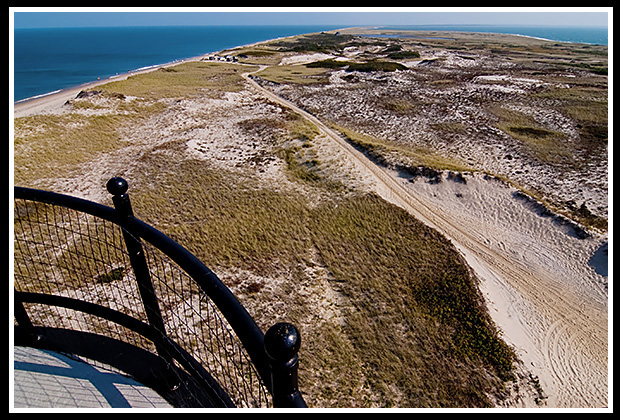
536,271
545,282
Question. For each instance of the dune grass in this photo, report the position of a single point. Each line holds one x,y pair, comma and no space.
416,324
183,80
293,74
542,143
57,144
389,154
414,330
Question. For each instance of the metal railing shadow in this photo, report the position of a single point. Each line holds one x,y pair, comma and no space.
46,379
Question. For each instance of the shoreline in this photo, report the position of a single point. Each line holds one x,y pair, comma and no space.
51,101
122,76
145,69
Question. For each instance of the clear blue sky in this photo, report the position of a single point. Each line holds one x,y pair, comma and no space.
342,16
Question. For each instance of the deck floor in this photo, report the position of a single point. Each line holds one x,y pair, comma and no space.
45,379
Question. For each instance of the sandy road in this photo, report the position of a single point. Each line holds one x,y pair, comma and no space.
556,321
557,328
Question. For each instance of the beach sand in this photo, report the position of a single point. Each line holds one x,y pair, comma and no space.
53,102
540,277
543,288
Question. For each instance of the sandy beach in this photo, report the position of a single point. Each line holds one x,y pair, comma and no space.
544,281
53,101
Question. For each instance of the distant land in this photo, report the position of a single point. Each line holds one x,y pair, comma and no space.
429,207
49,59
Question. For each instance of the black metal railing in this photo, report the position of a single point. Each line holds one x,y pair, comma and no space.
97,282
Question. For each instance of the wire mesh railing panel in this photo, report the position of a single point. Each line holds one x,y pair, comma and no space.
62,252
193,321
67,253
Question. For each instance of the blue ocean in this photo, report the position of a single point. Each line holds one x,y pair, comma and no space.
47,60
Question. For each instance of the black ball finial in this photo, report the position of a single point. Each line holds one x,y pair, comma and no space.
282,341
117,186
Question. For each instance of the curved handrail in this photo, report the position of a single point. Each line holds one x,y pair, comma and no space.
239,319
244,326
140,327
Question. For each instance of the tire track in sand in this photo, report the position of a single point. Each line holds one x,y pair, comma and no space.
568,330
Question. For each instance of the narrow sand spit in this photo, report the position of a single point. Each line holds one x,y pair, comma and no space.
542,291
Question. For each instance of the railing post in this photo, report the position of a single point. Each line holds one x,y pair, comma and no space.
118,188
22,318
282,342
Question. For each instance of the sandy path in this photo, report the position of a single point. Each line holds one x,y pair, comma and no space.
556,320
548,301
550,305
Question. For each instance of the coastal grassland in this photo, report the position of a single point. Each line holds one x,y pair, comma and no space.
542,143
293,74
584,104
258,55
415,328
47,146
56,145
587,103
408,327
221,217
182,81
301,158
406,286
546,110
321,42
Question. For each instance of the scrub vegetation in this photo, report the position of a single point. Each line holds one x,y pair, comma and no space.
409,327
414,328
531,112
389,312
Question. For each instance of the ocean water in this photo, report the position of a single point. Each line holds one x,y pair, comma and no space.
47,60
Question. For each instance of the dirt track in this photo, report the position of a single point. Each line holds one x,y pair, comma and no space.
556,320
548,302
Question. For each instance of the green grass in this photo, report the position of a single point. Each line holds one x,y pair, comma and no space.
184,80
315,72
